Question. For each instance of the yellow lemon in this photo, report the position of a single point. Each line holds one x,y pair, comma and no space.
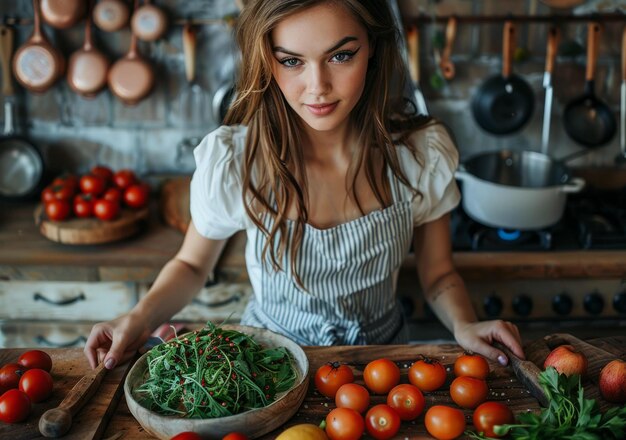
305,431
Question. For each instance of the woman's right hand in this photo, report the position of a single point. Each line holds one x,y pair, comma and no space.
114,342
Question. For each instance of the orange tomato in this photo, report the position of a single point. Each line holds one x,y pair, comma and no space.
473,365
329,377
407,400
468,392
490,414
381,375
344,424
352,395
444,422
427,374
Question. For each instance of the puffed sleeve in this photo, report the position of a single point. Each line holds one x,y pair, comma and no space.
216,202
435,178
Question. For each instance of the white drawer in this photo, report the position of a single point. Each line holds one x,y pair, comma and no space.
19,334
65,300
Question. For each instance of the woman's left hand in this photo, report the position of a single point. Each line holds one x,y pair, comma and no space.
478,337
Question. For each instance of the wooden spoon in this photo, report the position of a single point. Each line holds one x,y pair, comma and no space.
57,421
446,64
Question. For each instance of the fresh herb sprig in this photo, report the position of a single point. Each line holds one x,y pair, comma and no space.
214,372
568,417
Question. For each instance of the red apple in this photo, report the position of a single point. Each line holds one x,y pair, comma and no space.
613,381
565,359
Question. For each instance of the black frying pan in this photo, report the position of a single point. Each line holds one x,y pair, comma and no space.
504,103
588,120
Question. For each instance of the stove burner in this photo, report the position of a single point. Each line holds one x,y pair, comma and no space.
509,235
486,238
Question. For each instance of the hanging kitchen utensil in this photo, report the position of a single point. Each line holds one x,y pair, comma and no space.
445,64
37,63
63,14
553,43
588,120
111,15
131,78
622,111
148,22
87,67
562,4
504,103
21,163
412,37
192,100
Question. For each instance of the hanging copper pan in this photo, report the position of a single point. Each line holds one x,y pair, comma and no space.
131,78
111,15
37,63
63,14
88,67
149,22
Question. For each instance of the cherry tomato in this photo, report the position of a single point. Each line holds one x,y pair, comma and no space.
381,375
473,365
106,209
35,359
444,422
104,172
427,374
407,400
37,384
468,392
113,194
47,195
10,375
382,422
136,196
14,406
124,178
187,435
490,414
329,377
69,180
64,192
58,210
83,206
344,424
94,185
354,396
235,436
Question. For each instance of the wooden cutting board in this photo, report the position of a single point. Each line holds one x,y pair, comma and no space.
68,367
174,202
91,230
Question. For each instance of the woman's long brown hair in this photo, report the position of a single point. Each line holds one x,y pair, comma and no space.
274,175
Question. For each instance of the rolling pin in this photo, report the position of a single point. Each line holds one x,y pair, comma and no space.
527,373
57,421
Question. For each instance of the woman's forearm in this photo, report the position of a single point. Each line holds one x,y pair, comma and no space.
449,300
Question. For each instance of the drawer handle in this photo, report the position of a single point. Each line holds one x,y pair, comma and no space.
66,302
235,298
42,340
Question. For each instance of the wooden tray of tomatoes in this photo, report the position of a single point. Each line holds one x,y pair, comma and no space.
99,207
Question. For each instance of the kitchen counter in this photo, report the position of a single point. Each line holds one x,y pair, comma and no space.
26,255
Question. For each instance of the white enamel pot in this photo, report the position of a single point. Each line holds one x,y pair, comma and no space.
516,190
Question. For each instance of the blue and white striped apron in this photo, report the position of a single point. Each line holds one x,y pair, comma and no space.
348,272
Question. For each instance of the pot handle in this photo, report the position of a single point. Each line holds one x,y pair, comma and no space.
461,173
574,186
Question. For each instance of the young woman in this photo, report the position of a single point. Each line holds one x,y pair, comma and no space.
330,180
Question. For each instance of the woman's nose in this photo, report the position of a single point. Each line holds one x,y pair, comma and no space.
318,80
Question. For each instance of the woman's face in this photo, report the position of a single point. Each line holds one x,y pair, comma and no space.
320,61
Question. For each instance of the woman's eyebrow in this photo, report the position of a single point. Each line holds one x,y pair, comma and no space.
340,43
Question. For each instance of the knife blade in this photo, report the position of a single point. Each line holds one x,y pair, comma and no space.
553,41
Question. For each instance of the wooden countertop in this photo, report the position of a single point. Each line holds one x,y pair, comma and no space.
26,255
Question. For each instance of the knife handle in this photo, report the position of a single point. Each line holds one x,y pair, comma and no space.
554,35
527,373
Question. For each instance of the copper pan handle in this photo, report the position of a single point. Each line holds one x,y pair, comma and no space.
7,36
508,47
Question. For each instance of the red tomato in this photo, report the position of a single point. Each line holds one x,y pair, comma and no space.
354,396
113,194
187,435
14,406
10,375
329,377
344,424
427,374
136,196
64,192
235,436
106,209
444,422
83,206
407,400
490,414
37,384
47,195
382,422
58,210
35,359
104,172
381,375
473,365
69,180
124,178
468,392
94,185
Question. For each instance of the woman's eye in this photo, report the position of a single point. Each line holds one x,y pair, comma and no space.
343,57
290,62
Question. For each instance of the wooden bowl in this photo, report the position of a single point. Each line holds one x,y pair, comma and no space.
253,423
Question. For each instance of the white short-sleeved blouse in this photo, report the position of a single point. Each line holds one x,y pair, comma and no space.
217,207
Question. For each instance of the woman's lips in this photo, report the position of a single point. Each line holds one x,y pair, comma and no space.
321,109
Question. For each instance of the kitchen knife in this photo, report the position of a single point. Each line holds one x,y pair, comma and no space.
553,42
527,373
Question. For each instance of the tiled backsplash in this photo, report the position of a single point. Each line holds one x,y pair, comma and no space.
75,132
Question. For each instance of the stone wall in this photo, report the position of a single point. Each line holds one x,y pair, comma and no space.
155,136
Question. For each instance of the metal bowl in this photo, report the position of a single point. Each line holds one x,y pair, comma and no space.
21,168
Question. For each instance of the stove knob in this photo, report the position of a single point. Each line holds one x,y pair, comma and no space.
562,304
619,302
492,305
523,305
593,303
